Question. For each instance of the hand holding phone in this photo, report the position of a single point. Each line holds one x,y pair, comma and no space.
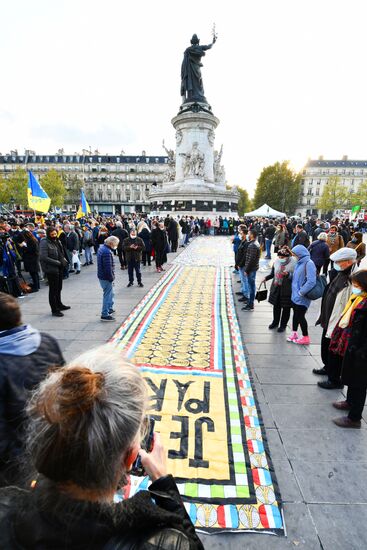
155,462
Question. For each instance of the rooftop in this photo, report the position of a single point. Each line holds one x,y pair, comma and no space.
78,159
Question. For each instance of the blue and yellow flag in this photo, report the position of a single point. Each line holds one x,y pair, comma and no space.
84,208
37,198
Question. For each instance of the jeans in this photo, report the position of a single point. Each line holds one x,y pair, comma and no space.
251,281
268,248
108,297
88,254
134,264
244,282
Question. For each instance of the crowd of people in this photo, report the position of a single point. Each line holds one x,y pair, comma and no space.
302,252
58,482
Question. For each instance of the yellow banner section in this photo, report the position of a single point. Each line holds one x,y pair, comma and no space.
190,416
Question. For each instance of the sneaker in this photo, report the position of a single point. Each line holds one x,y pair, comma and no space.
239,293
130,284
273,325
107,318
304,341
292,337
86,263
65,308
77,272
346,422
248,308
111,311
281,329
243,299
71,270
341,405
57,314
140,284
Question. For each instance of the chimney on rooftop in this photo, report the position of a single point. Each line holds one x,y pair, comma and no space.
321,157
345,157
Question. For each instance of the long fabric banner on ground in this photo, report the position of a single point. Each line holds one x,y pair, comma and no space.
185,338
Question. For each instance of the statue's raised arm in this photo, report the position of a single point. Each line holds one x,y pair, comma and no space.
192,89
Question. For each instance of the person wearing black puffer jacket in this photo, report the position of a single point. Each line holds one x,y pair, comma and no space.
84,435
25,357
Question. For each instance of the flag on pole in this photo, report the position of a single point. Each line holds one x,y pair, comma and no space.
37,198
84,208
354,212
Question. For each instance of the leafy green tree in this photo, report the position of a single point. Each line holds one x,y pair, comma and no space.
53,184
73,187
360,197
279,187
244,202
13,190
334,196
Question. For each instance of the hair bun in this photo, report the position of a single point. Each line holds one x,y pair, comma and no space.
75,394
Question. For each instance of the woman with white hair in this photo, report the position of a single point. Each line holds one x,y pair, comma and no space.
319,251
86,424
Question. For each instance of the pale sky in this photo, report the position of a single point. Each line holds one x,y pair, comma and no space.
286,78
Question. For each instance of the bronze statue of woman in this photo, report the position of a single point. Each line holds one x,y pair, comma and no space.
192,88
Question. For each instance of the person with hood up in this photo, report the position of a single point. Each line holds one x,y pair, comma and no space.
25,357
304,279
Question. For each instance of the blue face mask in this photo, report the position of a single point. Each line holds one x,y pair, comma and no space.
337,267
356,290
283,260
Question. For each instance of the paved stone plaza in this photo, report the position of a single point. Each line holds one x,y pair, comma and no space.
321,469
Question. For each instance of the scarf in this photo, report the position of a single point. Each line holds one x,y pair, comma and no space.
282,270
333,238
350,307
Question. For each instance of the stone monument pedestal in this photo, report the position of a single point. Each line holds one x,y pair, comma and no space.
199,187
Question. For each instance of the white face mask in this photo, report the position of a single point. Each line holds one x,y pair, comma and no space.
132,236
356,290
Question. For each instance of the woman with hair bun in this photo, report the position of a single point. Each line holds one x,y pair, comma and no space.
86,424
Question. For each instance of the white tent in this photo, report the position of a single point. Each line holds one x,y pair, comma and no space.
266,211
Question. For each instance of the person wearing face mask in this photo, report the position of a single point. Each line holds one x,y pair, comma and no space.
349,343
106,276
53,263
334,242
358,245
133,247
303,280
334,300
281,288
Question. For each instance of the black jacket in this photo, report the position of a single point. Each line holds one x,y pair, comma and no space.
18,376
72,241
121,234
30,253
354,371
44,519
241,253
52,256
302,238
252,257
133,254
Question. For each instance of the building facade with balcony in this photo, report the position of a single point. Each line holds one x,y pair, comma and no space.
315,175
112,184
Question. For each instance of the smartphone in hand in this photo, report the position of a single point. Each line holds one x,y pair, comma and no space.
137,468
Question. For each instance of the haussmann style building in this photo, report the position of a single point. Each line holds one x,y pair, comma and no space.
112,184
315,175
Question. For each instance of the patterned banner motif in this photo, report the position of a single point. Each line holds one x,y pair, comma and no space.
185,338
